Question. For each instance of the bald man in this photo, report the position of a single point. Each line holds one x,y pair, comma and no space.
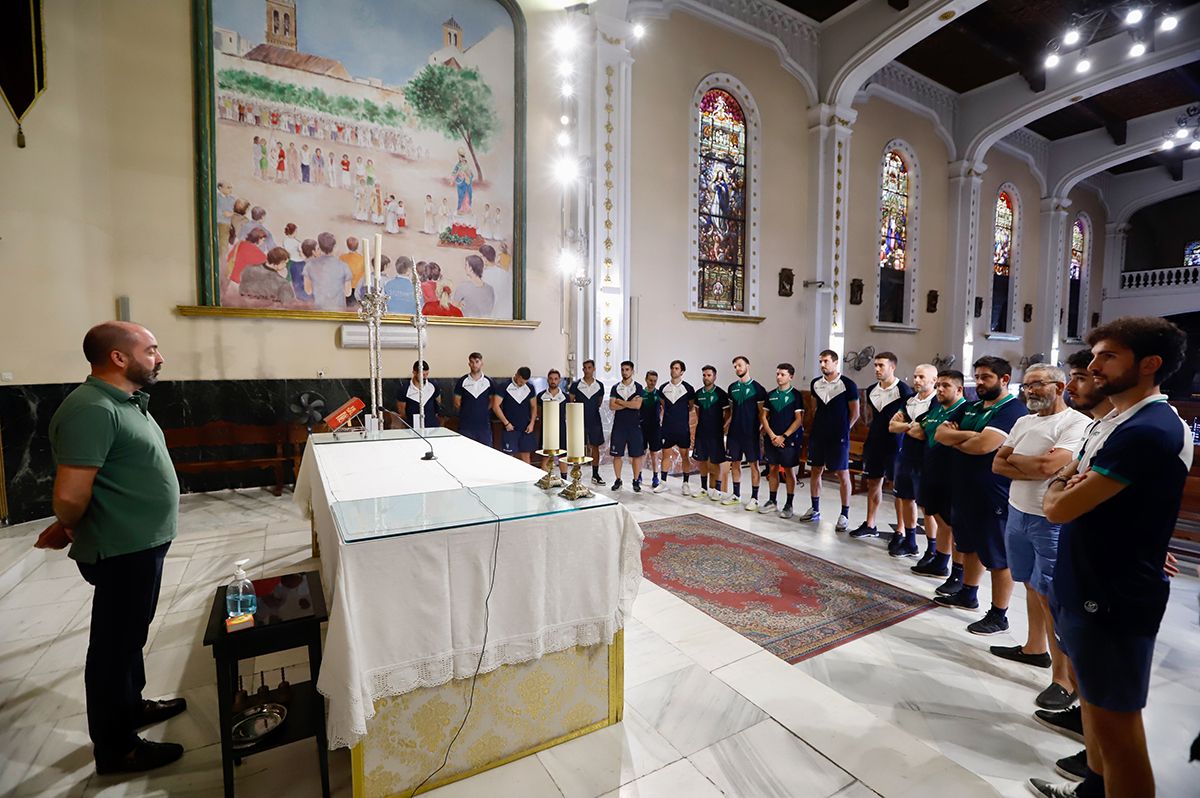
908,469
116,500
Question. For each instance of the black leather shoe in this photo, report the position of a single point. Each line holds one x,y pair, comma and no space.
146,755
1055,697
1017,654
157,711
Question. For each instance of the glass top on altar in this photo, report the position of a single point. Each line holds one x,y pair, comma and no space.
413,513
358,435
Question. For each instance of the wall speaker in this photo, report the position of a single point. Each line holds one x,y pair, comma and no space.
123,309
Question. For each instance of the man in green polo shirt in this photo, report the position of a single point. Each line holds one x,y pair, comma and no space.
117,500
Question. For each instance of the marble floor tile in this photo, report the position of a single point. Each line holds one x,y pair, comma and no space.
606,759
648,655
45,697
284,538
170,670
20,746
197,773
292,770
198,726
706,640
675,780
63,764
56,566
525,778
768,761
18,657
692,709
44,620
178,629
68,650
39,592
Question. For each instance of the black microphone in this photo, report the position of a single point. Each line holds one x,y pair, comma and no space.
429,455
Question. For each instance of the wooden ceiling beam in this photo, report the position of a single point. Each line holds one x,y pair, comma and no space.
899,5
973,28
1116,126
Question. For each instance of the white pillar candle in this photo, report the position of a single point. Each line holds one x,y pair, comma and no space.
575,429
378,259
366,253
550,424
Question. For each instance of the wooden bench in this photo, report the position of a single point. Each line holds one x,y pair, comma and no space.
226,434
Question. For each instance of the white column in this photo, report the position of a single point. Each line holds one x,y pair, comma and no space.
1114,263
1045,334
966,180
610,134
829,130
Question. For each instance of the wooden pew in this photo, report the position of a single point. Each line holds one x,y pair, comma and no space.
225,434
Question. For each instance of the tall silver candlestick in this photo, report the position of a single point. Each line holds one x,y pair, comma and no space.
419,323
371,308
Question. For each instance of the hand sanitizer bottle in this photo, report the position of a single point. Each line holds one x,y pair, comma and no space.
239,596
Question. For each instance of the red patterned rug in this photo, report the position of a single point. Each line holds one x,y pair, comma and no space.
792,604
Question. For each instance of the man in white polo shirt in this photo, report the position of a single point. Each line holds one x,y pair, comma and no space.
1036,448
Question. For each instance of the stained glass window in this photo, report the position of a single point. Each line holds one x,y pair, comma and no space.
1075,276
893,238
722,203
1191,254
1002,261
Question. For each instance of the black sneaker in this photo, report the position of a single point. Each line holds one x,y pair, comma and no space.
960,600
951,586
1017,654
616,484
865,531
906,549
637,486
1073,767
894,543
1068,723
1050,790
1055,697
597,479
146,755
992,623
929,568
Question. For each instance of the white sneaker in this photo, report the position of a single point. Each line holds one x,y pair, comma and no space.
687,489
843,523
714,494
730,500
752,505
661,487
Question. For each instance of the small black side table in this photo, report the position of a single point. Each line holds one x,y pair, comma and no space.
290,611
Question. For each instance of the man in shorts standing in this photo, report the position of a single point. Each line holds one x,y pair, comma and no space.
782,418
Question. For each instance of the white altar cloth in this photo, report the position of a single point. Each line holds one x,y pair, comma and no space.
408,612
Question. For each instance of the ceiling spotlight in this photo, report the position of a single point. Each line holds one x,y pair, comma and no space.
1052,61
564,119
568,261
1084,63
1195,145
564,38
1134,16
639,30
1168,145
1072,37
565,68
563,139
566,169
1137,50
1181,133
1168,22
567,89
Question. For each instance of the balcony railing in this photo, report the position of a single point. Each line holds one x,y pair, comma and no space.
1161,279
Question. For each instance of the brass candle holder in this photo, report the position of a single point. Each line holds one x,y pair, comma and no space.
551,480
576,490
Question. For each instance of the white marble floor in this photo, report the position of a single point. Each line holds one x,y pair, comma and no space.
917,709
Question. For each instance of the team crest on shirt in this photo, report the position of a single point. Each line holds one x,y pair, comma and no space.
916,406
781,399
476,386
626,391
674,392
519,393
549,397
882,397
587,390
826,391
420,394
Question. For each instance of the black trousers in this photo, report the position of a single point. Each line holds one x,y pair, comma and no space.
123,606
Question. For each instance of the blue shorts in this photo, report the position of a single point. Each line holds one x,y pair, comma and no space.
593,435
738,446
906,482
653,437
680,438
831,454
979,529
787,455
879,461
710,448
1032,545
1112,668
518,441
627,440
479,434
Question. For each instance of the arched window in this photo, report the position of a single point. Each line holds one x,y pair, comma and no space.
899,228
1002,262
287,24
722,211
1076,268
275,22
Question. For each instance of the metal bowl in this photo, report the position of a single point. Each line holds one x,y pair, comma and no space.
255,723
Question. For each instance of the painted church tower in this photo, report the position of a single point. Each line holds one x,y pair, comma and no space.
281,23
452,34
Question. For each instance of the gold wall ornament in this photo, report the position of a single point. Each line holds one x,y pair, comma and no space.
23,73
346,317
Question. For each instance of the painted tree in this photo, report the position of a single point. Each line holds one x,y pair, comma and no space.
456,102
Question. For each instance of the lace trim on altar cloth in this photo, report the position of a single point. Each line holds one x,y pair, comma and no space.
349,725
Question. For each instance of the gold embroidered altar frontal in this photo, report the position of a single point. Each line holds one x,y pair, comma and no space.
519,710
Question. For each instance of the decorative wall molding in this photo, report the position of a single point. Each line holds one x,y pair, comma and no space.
1030,147
794,36
754,143
922,91
912,260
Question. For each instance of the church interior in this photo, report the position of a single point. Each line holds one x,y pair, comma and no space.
612,188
